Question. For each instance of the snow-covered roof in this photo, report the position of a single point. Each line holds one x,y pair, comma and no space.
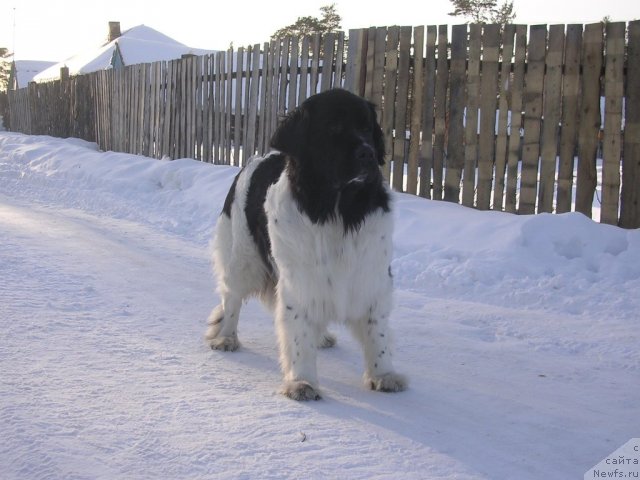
26,70
140,44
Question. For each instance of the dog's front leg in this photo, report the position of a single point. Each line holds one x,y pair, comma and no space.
298,342
374,335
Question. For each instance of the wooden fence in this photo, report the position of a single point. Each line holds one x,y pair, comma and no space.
519,118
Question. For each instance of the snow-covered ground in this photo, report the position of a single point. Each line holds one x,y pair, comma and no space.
519,335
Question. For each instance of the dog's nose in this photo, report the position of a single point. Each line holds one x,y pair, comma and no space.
365,154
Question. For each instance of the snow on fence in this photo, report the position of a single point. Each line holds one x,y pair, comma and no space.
488,117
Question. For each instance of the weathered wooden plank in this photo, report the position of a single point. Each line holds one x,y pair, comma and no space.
185,105
168,105
193,144
503,117
191,101
339,69
211,85
315,63
237,109
284,82
516,100
390,72
377,74
275,89
132,102
219,108
208,109
355,75
429,86
589,118
147,138
440,127
328,59
455,145
570,120
157,113
416,110
400,124
589,130
630,193
294,78
612,140
488,108
228,108
533,117
473,105
264,88
304,70
245,108
253,119
370,68
552,110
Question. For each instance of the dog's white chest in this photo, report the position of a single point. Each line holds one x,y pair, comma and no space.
339,276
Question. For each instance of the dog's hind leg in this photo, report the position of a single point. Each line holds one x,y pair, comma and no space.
222,333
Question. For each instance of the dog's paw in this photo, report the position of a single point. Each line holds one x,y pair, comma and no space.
301,391
389,382
327,340
227,344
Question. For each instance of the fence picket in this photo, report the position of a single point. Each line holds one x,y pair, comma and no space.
503,117
455,149
416,111
473,105
612,140
402,94
630,194
534,83
488,108
429,82
589,128
440,124
391,68
569,125
551,115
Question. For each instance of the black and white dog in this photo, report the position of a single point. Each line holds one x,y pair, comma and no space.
309,229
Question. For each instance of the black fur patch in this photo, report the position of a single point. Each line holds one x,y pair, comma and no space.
226,209
335,147
265,175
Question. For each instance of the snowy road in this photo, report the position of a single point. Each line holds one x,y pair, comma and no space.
104,296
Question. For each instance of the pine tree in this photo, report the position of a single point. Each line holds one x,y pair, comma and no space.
5,68
328,22
484,11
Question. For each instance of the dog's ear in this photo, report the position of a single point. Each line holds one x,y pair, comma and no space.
289,136
378,137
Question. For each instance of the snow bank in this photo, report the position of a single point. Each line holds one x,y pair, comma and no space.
519,335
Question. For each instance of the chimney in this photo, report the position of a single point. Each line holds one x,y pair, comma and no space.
114,31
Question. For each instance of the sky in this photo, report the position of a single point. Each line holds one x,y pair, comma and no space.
46,30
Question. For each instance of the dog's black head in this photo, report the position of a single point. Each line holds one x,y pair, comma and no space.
335,149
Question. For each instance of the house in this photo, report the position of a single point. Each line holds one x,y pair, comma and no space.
23,71
140,44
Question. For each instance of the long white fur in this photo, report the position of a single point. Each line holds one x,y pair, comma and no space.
324,275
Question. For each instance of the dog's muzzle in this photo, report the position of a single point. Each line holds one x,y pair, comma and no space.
366,159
